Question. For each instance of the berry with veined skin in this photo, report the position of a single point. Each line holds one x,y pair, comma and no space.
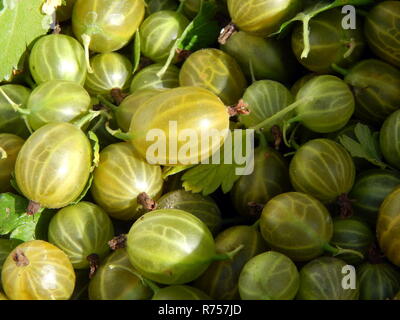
330,43
196,109
116,279
322,168
147,78
264,58
57,57
110,26
170,246
57,101
382,29
269,178
389,137
11,121
200,206
220,280
262,17
388,225
54,164
81,230
158,33
287,229
120,177
378,281
370,190
216,71
130,104
110,71
38,270
10,145
321,279
376,88
269,276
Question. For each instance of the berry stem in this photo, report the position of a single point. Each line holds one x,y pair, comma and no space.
86,118
21,260
344,72
119,134
107,103
118,242
338,251
228,255
271,121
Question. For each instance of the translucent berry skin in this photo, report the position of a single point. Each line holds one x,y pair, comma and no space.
264,58
57,101
111,27
130,104
57,57
216,71
81,230
48,274
322,168
110,71
170,246
329,43
116,279
269,276
10,144
200,206
376,88
120,177
147,78
11,121
262,17
192,108
388,225
53,165
286,228
321,279
159,32
382,31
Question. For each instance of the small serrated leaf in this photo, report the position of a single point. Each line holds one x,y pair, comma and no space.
21,22
15,222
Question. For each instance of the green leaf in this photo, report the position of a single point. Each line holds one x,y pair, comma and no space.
201,32
310,12
136,52
15,222
207,178
21,22
366,146
170,171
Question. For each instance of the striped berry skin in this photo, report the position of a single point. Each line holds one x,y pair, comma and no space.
159,32
81,230
111,24
110,71
57,101
120,177
216,71
38,270
54,164
323,169
57,57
